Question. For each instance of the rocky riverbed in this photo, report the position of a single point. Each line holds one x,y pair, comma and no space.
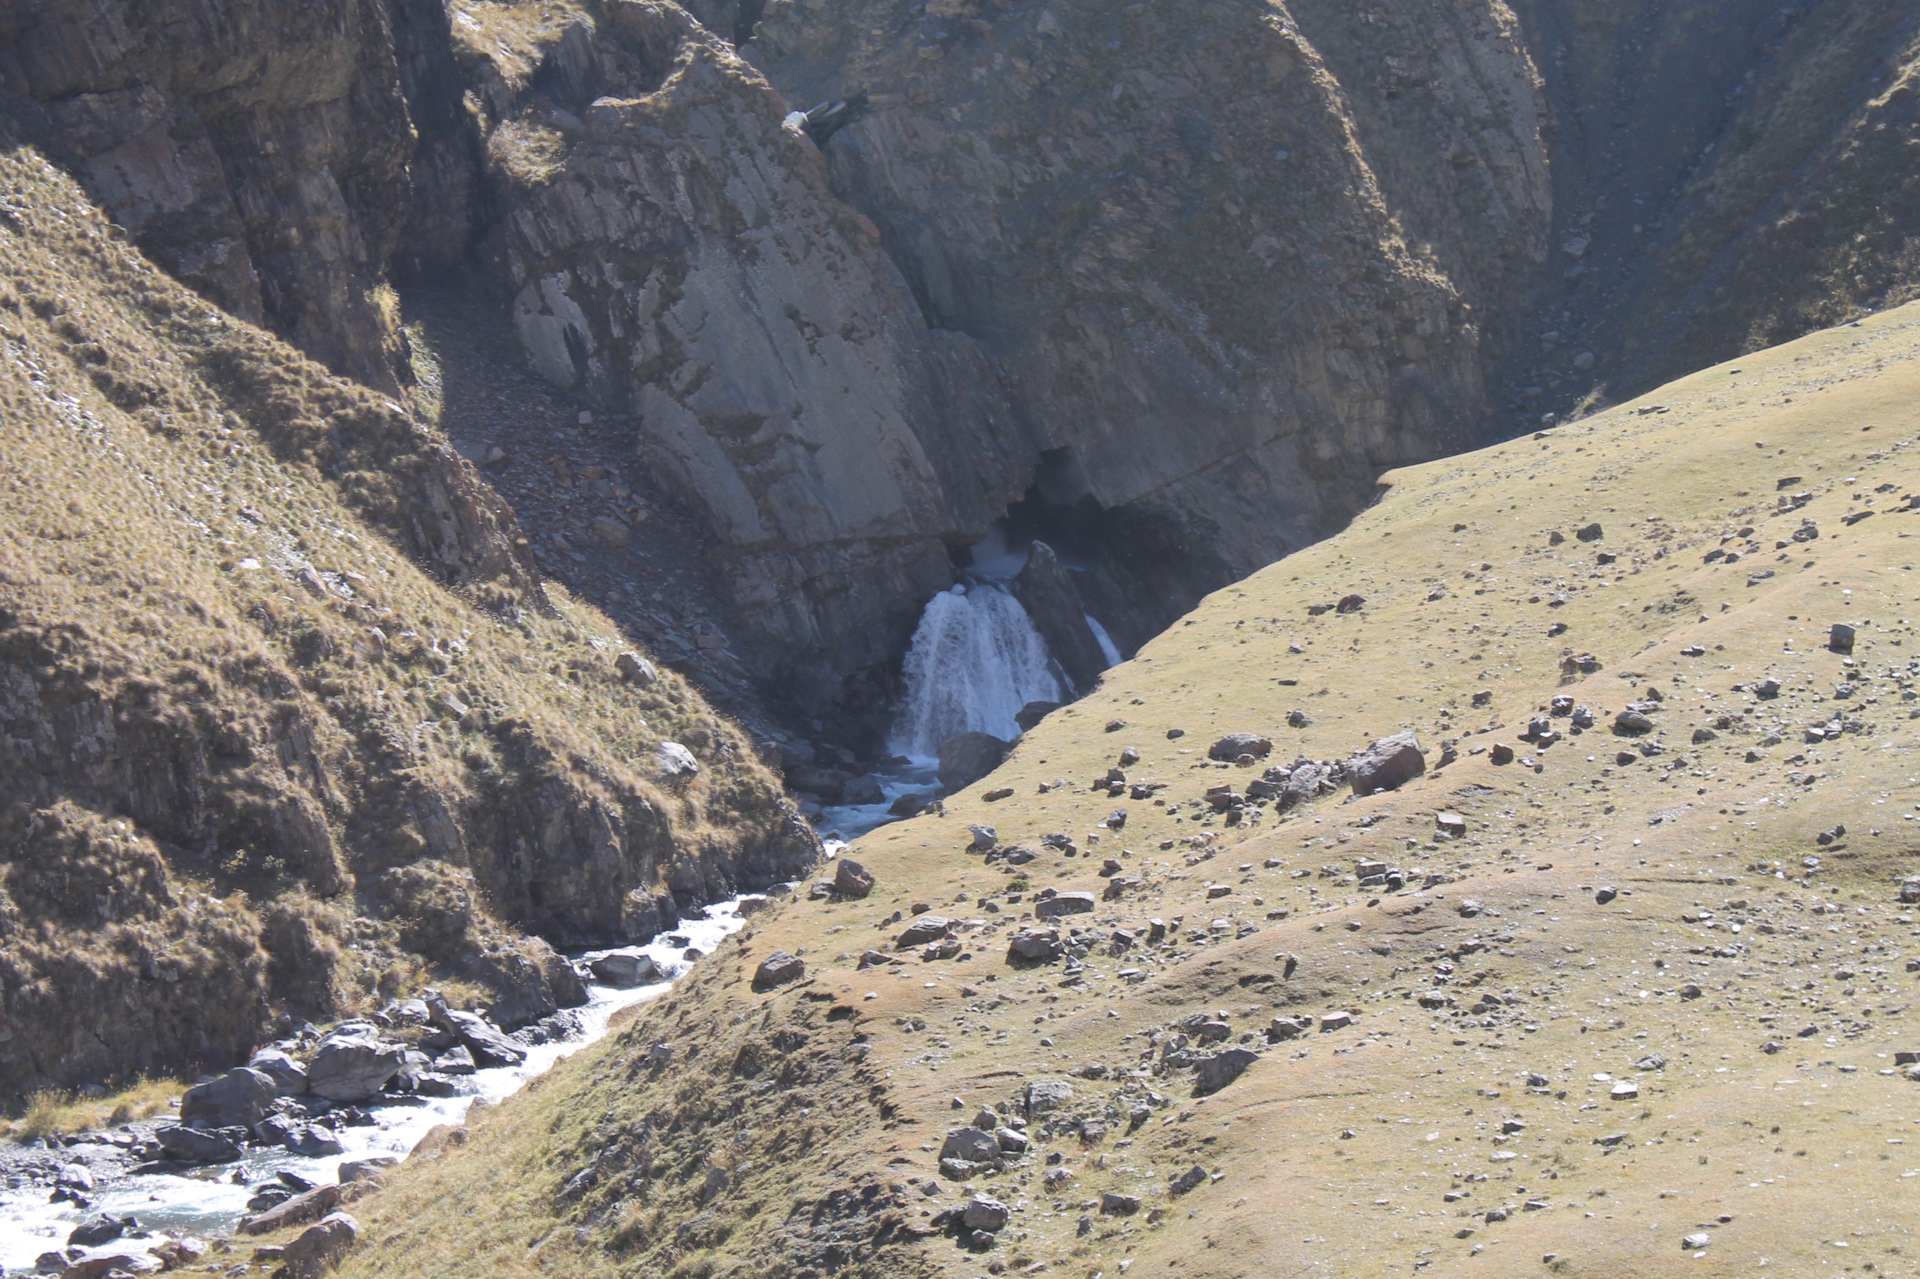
168,1190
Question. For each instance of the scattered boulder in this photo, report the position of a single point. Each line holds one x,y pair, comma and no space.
1038,944
1047,1094
102,1229
1193,1177
1350,604
967,757
237,1099
1591,533
778,969
984,838
1388,764
1113,1204
985,1213
1631,722
970,1145
1216,1072
636,669
353,1067
623,970
317,1248
1234,745
923,929
1840,638
1074,903
675,762
1449,826
851,879
1605,894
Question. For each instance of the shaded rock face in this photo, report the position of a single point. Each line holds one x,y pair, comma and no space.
1046,590
258,151
686,262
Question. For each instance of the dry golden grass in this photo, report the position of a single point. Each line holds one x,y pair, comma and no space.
1377,1149
50,1112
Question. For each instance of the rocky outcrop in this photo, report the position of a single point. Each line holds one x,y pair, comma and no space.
284,712
1046,590
257,151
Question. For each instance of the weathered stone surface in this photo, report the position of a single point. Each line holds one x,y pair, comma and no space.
923,929
985,1213
1234,745
1388,764
316,1249
313,1204
623,969
1037,944
1216,1072
851,879
289,1076
353,1068
973,1145
238,1098
1074,903
1046,590
778,969
487,1044
1044,1095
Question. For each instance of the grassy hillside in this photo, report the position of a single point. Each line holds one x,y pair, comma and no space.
287,722
1746,971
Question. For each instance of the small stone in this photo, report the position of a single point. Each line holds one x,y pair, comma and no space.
1694,1242
1630,722
1500,753
1704,735
925,928
1690,991
675,762
1469,908
1625,1090
1118,1205
1336,1021
1840,638
1387,764
1605,894
1193,1177
1074,903
1449,826
1591,533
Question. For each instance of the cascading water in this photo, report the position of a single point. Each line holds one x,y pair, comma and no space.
975,660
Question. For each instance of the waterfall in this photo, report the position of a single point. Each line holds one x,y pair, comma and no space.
975,660
1108,648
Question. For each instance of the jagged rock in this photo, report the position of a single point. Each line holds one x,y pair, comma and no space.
1840,638
306,1207
1038,944
851,879
1388,764
487,1044
1188,1180
623,970
289,1076
778,969
1234,745
1630,722
316,1249
1216,1072
922,930
91,1234
1046,590
675,762
636,669
967,757
970,1145
353,1068
1114,1204
985,1213
1044,1095
237,1099
457,1060
984,838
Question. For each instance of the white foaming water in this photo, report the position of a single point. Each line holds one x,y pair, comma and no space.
209,1202
975,660
1108,649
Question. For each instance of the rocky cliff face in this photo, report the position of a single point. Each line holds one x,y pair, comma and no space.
286,721
1183,277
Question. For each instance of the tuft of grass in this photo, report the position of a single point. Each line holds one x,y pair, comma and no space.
52,1112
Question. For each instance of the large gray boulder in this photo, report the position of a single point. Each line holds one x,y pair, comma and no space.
924,929
319,1247
778,969
1234,745
237,1099
1216,1072
1074,903
623,970
350,1068
1388,764
968,757
973,1145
